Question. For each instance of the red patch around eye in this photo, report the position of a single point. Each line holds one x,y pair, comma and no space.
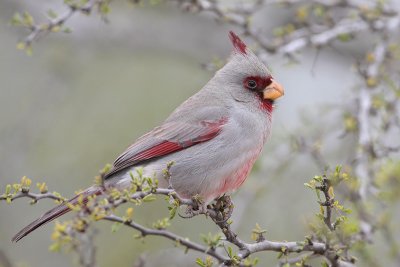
262,82
237,43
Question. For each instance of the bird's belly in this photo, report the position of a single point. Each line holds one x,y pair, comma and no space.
213,174
234,180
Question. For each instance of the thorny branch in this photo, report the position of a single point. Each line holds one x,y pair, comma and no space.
55,22
219,212
35,197
169,235
324,188
240,15
301,35
366,149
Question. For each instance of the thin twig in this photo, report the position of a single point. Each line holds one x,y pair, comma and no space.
34,196
169,235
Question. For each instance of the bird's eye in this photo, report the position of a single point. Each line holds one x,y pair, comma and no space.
251,84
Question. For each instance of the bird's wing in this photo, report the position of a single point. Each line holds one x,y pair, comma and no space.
165,139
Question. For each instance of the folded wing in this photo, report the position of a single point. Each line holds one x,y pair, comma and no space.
167,139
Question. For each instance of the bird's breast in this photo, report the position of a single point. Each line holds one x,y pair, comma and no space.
235,179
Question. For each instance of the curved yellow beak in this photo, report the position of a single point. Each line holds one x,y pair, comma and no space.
273,91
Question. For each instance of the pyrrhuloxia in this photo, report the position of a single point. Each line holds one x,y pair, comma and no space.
213,138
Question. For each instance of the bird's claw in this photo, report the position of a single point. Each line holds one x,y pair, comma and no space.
191,212
224,208
197,208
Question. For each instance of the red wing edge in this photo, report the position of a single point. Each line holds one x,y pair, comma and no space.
162,147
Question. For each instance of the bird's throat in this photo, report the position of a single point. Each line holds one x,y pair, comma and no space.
267,105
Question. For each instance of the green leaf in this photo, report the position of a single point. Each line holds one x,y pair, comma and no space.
338,170
29,50
257,233
161,224
211,240
344,37
318,193
27,19
229,252
104,9
319,11
318,178
55,247
8,189
67,30
331,192
308,185
346,210
115,227
149,198
200,262
16,19
172,211
139,172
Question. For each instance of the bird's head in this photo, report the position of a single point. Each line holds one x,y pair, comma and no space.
248,78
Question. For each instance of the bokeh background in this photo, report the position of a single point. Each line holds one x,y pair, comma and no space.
82,98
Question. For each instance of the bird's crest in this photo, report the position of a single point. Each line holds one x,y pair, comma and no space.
238,44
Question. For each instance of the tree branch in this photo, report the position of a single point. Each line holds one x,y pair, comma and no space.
169,235
143,188
54,24
35,197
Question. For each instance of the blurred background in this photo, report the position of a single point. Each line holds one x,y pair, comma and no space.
83,97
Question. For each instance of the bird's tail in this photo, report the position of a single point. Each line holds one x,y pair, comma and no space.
57,211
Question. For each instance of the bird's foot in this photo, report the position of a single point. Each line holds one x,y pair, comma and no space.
198,207
191,211
224,208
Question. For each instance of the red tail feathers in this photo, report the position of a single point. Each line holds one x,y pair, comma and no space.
56,212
